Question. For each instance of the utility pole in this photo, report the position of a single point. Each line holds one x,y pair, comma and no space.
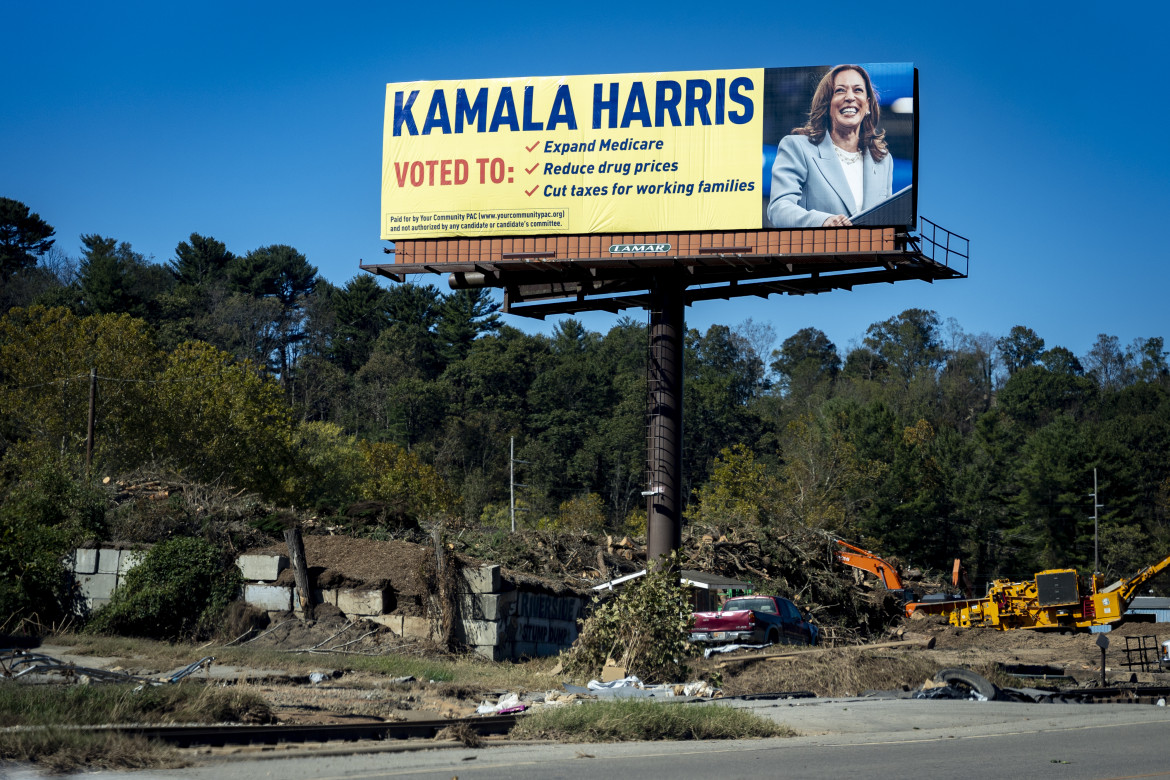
92,418
1096,506
512,483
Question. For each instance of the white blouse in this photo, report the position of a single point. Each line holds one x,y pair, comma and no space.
851,164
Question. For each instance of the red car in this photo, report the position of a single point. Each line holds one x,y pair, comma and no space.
755,620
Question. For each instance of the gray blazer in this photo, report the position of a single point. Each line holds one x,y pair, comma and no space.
808,185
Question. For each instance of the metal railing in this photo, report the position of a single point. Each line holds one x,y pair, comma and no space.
942,246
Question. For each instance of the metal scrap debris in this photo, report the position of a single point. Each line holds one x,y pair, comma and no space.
18,663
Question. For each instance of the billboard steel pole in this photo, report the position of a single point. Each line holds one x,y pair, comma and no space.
664,441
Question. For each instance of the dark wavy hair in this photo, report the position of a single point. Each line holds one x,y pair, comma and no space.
819,122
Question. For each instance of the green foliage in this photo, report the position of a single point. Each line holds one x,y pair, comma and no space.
413,311
740,493
1055,525
327,467
634,523
180,590
283,278
582,514
1035,395
271,524
1020,348
724,375
221,421
807,361
411,490
200,261
45,359
908,343
463,316
827,477
48,508
644,628
114,279
360,308
911,514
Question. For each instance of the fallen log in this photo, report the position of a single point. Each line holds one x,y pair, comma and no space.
905,644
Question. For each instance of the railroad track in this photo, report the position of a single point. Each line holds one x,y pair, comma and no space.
1146,694
221,735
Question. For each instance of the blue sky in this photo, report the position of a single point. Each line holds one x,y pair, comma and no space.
261,123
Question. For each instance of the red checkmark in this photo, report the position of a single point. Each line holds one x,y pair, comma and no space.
533,168
534,189
530,148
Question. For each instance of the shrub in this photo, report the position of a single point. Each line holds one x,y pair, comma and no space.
180,589
46,509
644,628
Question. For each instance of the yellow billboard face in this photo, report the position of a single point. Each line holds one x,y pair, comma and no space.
633,153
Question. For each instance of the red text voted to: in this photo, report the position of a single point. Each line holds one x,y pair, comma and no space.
428,173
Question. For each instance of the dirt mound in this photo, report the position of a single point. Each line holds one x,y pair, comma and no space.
346,562
836,673
332,632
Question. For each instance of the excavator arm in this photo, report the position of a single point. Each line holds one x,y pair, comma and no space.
1130,586
867,561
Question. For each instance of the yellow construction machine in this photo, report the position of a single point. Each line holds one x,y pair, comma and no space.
1052,600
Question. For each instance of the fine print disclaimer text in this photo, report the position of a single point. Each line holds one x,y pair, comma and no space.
469,221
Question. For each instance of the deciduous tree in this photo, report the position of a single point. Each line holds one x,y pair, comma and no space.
805,362
1020,348
222,421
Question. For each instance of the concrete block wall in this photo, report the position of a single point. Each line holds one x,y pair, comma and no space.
261,567
260,573
497,619
99,572
500,620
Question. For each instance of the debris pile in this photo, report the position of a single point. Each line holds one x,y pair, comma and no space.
799,565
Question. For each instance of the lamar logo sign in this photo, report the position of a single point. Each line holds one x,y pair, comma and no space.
627,249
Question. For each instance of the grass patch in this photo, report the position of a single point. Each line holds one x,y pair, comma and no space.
60,750
632,719
394,666
471,670
87,705
45,714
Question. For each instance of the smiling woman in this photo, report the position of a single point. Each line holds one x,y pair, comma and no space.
837,163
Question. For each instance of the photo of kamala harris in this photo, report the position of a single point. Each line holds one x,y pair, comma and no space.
837,164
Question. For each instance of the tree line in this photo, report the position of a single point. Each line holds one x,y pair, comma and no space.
920,441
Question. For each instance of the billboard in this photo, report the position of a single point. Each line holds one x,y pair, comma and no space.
717,150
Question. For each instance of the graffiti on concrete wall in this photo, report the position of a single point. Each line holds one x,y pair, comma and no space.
542,605
553,635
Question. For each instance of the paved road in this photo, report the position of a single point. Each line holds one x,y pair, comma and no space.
939,740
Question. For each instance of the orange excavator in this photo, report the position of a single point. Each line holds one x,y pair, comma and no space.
852,555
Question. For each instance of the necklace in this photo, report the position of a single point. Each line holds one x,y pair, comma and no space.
847,158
